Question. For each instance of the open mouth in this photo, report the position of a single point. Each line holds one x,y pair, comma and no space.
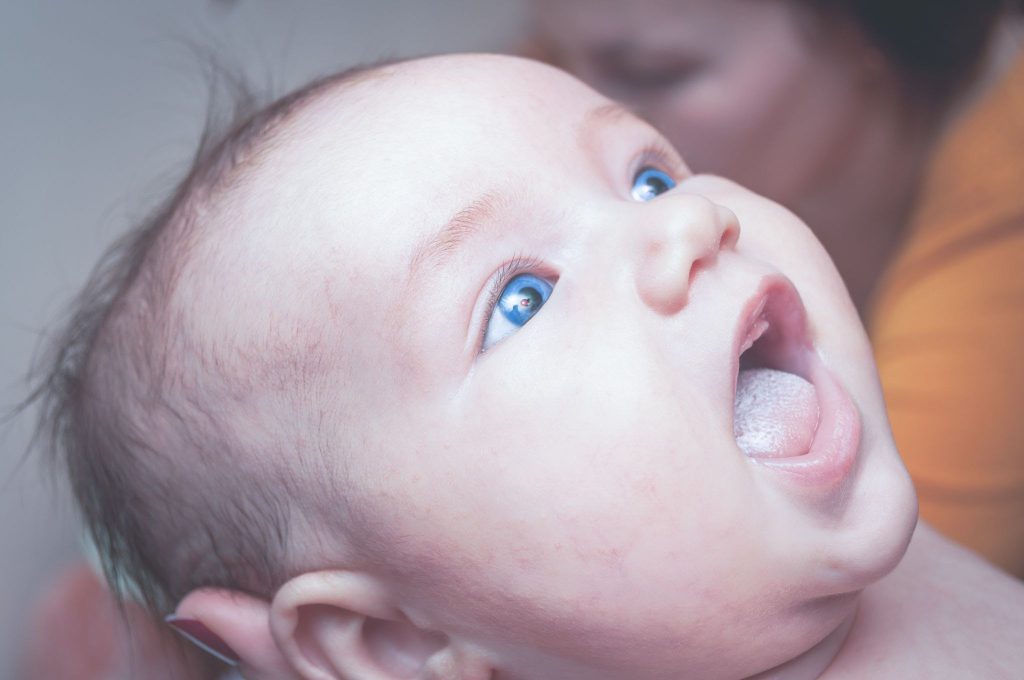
776,406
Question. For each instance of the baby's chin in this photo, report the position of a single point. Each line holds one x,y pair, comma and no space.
872,537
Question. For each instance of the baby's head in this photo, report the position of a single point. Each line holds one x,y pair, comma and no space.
315,390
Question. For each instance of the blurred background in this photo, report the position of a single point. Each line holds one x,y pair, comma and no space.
103,102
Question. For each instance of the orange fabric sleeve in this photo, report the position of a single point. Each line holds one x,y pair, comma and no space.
948,331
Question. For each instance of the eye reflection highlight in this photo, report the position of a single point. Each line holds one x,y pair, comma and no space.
520,300
650,183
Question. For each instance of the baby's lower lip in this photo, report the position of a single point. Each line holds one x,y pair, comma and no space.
836,441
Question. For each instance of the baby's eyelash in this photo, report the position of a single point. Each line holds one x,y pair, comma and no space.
659,154
520,264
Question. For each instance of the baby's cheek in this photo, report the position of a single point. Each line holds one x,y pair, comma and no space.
562,502
592,438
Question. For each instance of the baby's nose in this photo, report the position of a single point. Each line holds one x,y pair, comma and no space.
681,234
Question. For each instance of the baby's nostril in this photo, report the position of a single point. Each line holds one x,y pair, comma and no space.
730,228
728,239
699,264
730,235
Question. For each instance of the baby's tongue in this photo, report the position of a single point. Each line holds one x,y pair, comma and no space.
776,413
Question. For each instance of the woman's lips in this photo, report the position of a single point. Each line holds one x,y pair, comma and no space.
816,442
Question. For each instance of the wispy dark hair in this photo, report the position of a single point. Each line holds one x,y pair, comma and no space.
116,414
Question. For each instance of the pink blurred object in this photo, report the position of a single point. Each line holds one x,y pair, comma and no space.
77,633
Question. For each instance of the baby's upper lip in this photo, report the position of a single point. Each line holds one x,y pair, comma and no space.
774,317
785,345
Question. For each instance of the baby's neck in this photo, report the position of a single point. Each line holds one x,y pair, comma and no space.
942,613
812,664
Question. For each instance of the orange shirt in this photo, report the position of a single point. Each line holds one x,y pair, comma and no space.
948,330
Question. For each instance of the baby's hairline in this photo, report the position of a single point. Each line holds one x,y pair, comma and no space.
287,112
102,340
270,126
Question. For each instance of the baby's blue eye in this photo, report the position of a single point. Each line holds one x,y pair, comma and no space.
519,301
650,182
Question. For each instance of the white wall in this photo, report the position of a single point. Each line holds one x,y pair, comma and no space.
100,105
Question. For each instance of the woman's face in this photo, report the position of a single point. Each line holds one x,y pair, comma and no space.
747,89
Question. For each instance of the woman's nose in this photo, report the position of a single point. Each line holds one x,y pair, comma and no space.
681,234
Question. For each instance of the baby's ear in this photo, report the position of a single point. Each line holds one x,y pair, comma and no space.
235,628
342,625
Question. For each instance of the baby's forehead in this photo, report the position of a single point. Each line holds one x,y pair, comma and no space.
371,160
325,226
407,112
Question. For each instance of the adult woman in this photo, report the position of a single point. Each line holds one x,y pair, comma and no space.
894,130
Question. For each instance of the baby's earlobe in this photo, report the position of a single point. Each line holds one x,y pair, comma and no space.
234,627
198,634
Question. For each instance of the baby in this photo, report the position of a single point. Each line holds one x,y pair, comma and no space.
451,368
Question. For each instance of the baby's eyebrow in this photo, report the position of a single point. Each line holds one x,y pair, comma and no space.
436,250
600,116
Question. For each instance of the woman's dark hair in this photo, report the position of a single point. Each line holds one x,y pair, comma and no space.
935,46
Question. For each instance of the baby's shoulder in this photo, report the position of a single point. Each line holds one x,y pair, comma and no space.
943,613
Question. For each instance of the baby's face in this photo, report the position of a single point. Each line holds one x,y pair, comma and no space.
536,346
